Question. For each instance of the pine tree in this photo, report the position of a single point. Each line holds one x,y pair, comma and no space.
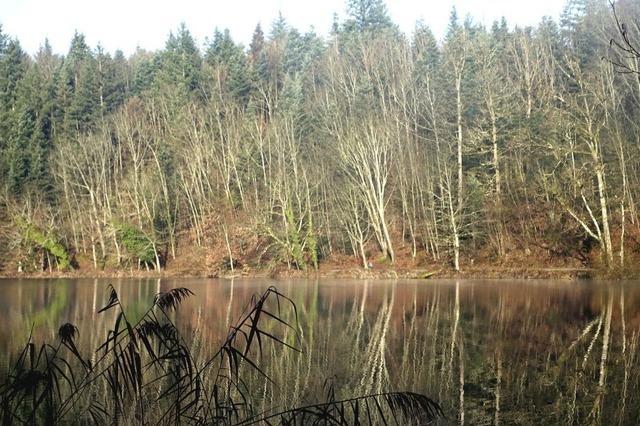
112,80
257,44
29,134
279,28
119,81
78,89
3,40
368,15
229,61
425,48
24,131
13,66
180,64
12,69
144,69
580,22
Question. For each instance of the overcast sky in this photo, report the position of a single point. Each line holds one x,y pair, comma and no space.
126,24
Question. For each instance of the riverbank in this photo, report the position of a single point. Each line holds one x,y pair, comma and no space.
213,262
331,271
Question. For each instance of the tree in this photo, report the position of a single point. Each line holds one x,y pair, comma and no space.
144,69
456,52
112,80
257,44
367,15
180,63
15,126
627,43
78,89
30,142
230,67
582,27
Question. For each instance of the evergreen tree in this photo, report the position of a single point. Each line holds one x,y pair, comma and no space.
180,63
119,81
13,66
367,15
582,29
425,48
500,36
78,89
4,38
27,142
112,80
231,66
257,45
27,133
295,53
47,61
144,69
279,28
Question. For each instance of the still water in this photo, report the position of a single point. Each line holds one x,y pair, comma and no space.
490,352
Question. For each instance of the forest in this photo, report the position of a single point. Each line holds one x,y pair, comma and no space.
366,147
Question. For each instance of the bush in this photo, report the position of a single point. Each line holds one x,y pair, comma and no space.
49,242
136,242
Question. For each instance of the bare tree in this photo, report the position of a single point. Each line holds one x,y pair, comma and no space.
626,44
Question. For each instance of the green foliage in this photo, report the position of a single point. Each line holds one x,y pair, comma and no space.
425,49
30,134
230,66
48,241
367,15
78,89
13,65
145,67
180,64
136,242
112,80
3,40
578,20
279,28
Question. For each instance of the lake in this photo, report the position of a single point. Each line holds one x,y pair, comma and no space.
490,352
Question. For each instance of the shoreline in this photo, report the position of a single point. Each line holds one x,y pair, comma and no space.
481,272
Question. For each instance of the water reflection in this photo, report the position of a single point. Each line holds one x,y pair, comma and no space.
488,351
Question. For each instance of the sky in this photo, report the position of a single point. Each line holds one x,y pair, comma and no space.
128,24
